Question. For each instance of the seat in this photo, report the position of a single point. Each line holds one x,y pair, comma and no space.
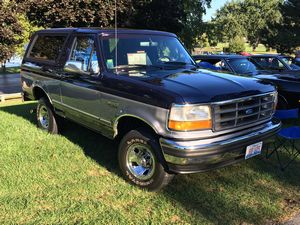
286,138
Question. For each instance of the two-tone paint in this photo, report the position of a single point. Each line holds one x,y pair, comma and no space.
101,101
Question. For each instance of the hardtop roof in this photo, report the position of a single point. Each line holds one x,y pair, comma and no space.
99,30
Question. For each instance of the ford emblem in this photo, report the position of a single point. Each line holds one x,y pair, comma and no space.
249,111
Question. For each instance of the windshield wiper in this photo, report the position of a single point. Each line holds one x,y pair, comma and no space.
175,63
142,66
178,64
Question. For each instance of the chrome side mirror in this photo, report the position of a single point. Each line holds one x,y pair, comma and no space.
76,67
73,67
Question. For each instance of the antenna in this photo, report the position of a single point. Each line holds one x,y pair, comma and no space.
116,36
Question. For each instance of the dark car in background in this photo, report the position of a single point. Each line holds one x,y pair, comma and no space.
275,62
287,81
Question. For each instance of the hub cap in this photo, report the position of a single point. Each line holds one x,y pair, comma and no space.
43,117
140,161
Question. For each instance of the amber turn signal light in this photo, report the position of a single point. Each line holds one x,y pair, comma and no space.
189,125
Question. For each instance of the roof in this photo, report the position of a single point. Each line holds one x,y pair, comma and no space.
99,30
223,56
269,55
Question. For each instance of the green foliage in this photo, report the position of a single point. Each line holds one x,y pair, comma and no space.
285,35
183,17
236,45
10,70
246,18
10,31
228,22
69,13
193,26
28,30
202,41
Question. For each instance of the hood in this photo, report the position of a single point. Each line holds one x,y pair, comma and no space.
206,86
284,75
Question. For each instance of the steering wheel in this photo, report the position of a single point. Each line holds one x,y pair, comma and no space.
164,59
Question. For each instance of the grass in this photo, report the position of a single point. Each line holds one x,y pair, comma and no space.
261,49
74,178
10,70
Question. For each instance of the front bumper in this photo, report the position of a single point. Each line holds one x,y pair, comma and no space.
206,154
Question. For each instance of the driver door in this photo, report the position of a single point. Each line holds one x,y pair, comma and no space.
80,82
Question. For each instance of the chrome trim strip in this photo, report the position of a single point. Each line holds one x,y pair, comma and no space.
197,146
80,111
239,99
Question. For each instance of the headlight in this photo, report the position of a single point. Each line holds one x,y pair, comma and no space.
275,95
189,118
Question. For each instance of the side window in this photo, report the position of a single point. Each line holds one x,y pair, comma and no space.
83,54
47,48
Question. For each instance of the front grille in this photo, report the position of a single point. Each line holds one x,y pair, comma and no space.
243,111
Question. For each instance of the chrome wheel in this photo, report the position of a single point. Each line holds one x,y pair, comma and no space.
140,161
43,117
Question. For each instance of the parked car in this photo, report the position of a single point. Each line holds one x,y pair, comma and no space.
143,88
275,62
287,82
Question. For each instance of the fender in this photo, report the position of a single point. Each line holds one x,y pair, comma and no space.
37,84
116,122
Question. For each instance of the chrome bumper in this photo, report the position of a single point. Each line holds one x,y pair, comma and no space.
201,155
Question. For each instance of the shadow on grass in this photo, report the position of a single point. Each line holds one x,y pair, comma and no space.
89,141
202,194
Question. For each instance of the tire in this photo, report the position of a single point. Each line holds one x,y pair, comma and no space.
140,160
45,116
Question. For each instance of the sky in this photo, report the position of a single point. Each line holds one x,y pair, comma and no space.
215,4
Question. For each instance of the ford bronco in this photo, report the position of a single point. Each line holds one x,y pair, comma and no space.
143,88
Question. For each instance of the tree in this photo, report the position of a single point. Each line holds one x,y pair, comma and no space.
183,17
228,23
247,18
236,45
28,29
69,13
260,16
10,31
285,36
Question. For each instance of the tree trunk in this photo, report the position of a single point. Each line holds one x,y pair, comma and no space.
3,68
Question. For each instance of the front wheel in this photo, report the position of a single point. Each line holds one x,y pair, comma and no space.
138,159
45,116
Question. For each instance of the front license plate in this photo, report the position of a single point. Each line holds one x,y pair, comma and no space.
253,150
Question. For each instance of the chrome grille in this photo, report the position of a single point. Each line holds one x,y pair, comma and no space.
243,111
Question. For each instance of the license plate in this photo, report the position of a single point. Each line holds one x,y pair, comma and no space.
253,150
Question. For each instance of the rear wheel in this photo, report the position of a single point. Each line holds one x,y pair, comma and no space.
140,160
45,116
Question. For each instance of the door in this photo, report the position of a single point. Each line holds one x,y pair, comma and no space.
80,95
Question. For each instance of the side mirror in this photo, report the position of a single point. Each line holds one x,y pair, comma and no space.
73,67
76,67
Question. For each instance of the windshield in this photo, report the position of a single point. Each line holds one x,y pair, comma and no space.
144,51
289,62
242,66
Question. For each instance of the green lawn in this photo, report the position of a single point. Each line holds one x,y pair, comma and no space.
74,178
261,49
10,70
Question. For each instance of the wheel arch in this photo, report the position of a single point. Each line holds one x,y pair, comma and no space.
127,122
39,92
283,99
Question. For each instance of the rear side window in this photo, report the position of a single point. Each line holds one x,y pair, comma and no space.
47,48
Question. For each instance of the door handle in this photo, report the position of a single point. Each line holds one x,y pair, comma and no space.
48,70
66,76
